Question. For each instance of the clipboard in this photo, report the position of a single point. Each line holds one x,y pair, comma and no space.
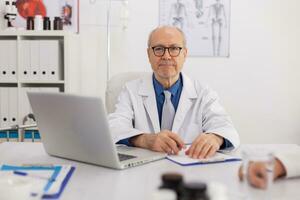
49,181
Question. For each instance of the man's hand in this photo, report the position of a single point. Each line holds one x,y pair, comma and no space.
164,141
205,146
257,173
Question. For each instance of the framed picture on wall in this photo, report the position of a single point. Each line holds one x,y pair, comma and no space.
67,10
204,22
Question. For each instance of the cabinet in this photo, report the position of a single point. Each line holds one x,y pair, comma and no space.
29,61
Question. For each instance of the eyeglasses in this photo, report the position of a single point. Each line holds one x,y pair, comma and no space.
159,51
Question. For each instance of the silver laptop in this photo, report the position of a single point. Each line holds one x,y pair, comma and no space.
76,127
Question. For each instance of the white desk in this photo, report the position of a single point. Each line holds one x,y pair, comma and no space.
94,182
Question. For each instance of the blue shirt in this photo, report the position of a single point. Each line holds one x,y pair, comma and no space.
175,90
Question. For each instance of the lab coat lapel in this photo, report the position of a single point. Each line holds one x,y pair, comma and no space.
187,97
149,100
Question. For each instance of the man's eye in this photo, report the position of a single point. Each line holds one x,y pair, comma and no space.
174,48
159,49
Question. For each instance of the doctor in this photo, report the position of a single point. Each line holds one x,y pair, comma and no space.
167,110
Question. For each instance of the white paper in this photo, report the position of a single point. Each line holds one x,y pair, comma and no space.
183,159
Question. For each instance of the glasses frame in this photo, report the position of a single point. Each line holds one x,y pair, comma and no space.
180,48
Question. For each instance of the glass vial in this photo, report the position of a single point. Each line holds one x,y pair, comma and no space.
38,22
46,23
58,24
30,23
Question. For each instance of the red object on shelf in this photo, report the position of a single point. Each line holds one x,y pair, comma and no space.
31,8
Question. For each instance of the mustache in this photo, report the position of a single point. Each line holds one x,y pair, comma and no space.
167,63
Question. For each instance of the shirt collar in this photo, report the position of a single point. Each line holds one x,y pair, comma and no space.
159,89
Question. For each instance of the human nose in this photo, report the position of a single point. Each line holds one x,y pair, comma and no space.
166,53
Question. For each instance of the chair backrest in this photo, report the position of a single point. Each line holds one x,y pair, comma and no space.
115,85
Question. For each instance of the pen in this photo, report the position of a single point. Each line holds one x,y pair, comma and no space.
19,173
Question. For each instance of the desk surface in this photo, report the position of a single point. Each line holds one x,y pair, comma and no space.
92,182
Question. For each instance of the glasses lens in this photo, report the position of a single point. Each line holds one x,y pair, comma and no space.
159,51
174,51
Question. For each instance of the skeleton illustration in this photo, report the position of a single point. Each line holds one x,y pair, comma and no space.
178,14
199,8
217,18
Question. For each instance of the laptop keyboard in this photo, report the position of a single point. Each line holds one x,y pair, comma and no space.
123,157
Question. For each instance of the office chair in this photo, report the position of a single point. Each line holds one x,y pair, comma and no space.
115,85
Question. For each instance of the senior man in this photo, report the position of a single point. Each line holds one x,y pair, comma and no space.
167,110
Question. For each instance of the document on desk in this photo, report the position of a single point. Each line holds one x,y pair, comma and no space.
184,160
48,181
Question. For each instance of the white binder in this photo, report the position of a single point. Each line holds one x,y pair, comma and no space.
2,60
4,107
13,105
11,60
45,57
34,60
55,62
1,126
4,45
8,60
25,60
3,134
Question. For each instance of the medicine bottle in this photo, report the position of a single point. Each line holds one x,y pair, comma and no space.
194,191
30,23
173,181
58,24
46,23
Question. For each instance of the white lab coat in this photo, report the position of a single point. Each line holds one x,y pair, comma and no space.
198,111
291,160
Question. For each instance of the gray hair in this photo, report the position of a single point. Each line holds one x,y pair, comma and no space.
165,26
